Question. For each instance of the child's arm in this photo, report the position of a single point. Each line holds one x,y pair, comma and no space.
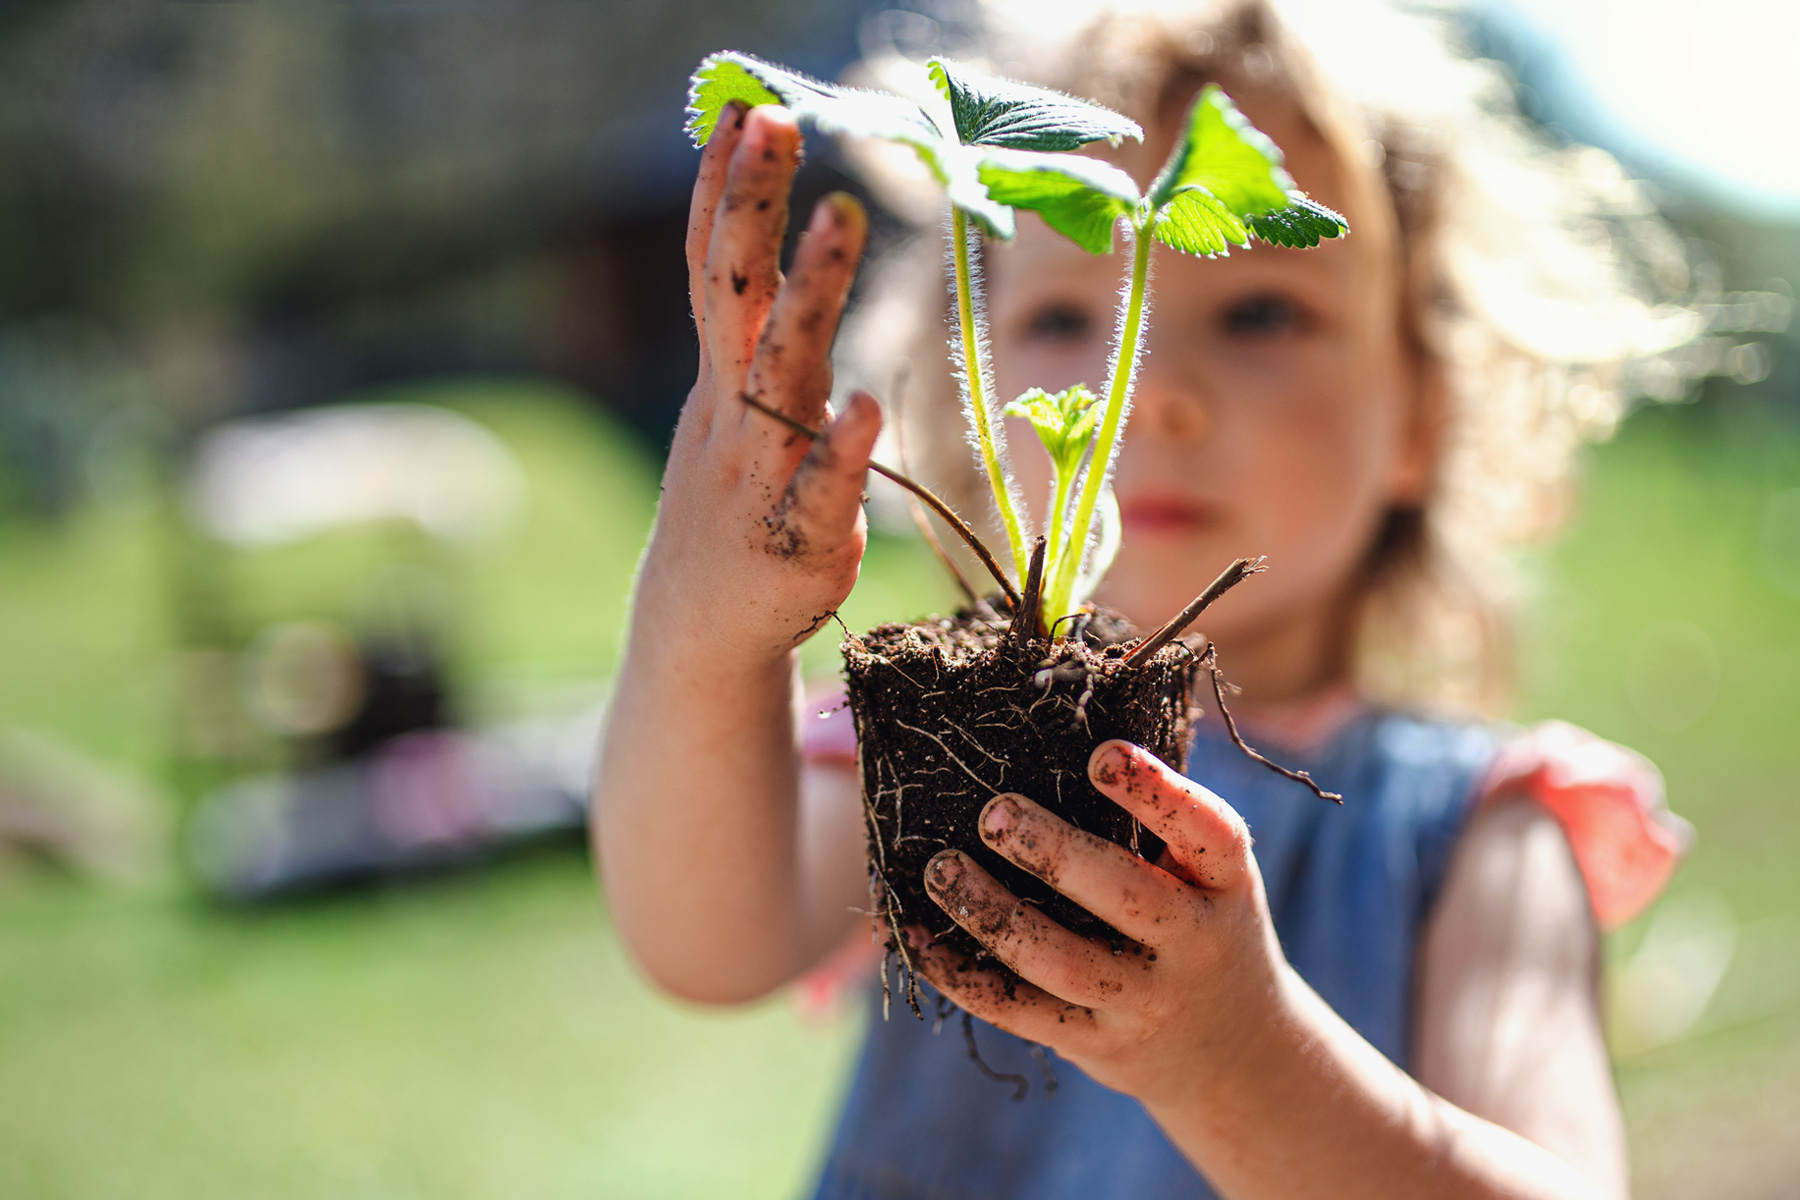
1508,1003
1264,1088
722,882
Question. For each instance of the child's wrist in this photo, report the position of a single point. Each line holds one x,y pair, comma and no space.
1250,1054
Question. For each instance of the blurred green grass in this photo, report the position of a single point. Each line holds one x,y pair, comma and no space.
1672,529
483,1034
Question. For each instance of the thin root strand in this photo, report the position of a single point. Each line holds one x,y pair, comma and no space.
1211,661
1020,1085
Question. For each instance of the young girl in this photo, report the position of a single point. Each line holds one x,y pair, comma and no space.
1395,997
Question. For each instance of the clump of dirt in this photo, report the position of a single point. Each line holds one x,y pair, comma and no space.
953,711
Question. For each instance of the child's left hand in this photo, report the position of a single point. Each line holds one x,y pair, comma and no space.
1166,1021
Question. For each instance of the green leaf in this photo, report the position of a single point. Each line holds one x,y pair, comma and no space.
1301,224
729,75
958,168
1222,153
1081,198
1195,222
844,112
720,80
1065,422
1000,112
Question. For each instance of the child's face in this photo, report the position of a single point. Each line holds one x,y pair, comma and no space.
1275,414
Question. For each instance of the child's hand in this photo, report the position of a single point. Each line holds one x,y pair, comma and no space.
761,531
1166,1021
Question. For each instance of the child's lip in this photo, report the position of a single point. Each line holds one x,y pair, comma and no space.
1152,513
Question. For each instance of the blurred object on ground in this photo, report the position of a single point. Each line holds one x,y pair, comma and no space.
61,806
351,687
419,801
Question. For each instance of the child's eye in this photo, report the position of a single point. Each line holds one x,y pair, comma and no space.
1265,315
1058,323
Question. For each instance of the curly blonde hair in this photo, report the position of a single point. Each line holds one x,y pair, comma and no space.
1532,276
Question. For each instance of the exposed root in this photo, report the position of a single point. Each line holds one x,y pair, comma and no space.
1044,1068
1020,1086
1210,660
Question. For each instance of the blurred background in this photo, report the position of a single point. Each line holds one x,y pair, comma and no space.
340,345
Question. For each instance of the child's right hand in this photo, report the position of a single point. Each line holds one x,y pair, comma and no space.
760,532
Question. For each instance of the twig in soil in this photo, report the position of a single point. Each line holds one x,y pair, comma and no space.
1027,622
1020,1086
1229,578
1210,660
1044,1067
918,489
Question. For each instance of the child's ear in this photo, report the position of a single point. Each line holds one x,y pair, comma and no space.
1422,434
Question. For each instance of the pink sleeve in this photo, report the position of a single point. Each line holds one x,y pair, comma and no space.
1609,802
829,732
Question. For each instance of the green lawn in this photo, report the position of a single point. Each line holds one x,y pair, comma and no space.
482,1033
1675,533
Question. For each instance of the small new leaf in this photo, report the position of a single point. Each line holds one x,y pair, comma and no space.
1018,116
1065,422
1221,152
1302,224
1081,198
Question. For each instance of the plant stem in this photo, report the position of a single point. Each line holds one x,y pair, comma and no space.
977,386
1124,372
1059,510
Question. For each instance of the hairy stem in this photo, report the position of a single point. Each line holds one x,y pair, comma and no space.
1118,394
977,386
1059,511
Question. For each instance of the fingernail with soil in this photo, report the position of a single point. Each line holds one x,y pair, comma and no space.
944,870
1110,762
1000,815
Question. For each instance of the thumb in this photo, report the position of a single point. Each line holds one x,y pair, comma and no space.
824,498
1208,842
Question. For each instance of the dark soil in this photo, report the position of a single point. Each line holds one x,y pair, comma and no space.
951,712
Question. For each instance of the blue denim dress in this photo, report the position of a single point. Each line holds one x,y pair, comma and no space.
1349,888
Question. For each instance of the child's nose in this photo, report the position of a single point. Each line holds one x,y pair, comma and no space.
1171,403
